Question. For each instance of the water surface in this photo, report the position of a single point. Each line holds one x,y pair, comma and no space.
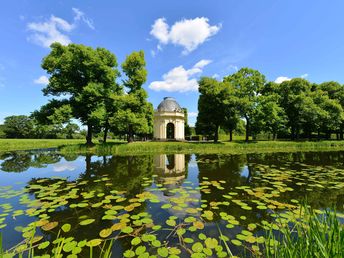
193,198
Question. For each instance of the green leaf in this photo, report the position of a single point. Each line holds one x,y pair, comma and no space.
86,222
163,251
197,247
66,228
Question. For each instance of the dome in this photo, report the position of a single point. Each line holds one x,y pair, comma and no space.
169,105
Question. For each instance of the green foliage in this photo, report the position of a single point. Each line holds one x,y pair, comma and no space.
210,107
313,236
18,126
187,129
2,133
86,78
248,84
295,108
134,114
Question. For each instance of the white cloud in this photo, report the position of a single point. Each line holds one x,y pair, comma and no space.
282,79
202,63
233,67
60,167
188,33
44,80
56,29
179,79
192,114
304,76
79,15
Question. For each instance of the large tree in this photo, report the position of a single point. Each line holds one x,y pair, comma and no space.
85,78
135,115
294,100
230,111
210,107
248,84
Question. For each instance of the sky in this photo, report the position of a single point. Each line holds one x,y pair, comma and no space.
182,41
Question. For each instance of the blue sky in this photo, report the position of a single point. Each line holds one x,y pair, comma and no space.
182,40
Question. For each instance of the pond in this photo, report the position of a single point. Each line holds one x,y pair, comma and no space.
163,205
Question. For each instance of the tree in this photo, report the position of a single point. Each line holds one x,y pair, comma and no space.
210,107
85,77
18,126
248,84
294,94
187,129
2,133
231,115
335,92
269,116
324,96
70,129
135,115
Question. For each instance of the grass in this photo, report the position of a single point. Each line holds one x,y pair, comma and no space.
238,147
137,148
313,236
30,144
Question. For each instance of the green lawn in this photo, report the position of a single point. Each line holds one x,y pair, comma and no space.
77,146
238,147
30,144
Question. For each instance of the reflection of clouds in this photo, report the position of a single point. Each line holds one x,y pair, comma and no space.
60,167
192,164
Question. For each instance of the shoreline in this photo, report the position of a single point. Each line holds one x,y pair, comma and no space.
142,148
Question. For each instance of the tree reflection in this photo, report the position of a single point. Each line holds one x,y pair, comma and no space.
22,161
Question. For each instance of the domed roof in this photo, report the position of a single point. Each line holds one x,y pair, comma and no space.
169,105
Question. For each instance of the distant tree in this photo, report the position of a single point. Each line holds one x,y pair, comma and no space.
135,113
85,77
294,94
187,129
231,114
210,107
248,84
269,116
335,92
331,111
2,133
70,129
18,126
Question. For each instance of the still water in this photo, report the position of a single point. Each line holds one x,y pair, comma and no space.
175,205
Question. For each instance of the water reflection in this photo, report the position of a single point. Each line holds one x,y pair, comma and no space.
90,179
170,170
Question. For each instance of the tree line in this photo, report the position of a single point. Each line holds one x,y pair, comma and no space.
292,109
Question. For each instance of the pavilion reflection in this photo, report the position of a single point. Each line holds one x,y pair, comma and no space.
170,171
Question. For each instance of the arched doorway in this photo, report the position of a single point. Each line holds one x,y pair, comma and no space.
170,131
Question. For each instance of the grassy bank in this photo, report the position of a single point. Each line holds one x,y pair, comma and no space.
30,144
138,148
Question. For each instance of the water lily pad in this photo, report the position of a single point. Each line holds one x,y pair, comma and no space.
87,222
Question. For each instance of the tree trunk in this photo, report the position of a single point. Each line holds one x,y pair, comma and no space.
89,135
106,129
292,133
130,134
274,136
88,165
247,129
216,134
230,135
